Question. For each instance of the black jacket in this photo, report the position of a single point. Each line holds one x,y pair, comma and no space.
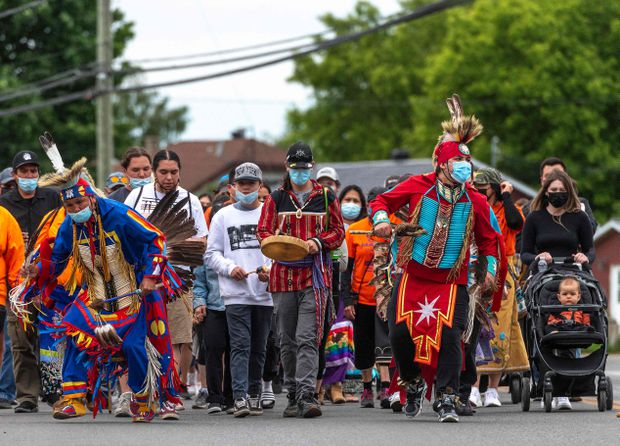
29,212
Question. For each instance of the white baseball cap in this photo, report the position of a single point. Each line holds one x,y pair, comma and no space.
328,172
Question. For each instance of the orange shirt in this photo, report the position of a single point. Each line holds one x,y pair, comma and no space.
510,235
360,247
11,253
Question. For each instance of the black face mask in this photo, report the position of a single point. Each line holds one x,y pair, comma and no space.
557,199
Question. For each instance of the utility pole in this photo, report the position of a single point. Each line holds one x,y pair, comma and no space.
494,150
105,82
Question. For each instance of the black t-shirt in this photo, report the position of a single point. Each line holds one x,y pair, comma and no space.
560,236
30,211
120,194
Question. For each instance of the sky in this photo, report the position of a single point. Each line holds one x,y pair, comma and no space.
255,100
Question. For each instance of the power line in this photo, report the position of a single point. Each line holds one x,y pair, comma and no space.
416,14
90,93
18,9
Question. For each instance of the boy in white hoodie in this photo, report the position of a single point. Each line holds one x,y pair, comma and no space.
233,252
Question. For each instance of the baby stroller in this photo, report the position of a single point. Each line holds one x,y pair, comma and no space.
557,368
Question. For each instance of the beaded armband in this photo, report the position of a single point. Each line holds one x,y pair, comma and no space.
491,265
380,217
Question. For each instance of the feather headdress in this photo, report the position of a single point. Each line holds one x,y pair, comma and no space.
457,132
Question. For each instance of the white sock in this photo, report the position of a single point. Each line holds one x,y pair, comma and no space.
267,386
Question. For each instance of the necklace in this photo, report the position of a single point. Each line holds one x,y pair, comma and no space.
298,213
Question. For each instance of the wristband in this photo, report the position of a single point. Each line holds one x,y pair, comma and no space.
380,217
491,265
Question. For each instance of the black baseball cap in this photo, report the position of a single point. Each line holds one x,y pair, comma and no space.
25,157
299,156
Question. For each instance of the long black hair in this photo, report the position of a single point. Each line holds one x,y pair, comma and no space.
350,187
165,155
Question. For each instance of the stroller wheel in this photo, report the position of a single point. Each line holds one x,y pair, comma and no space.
548,400
525,394
602,400
610,395
515,388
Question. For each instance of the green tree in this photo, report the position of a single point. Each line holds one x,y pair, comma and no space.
360,90
52,38
542,75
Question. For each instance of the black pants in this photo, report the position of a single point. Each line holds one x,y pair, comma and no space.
218,358
272,359
450,358
470,375
364,336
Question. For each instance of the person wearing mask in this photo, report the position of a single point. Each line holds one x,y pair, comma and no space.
511,356
234,254
114,182
546,167
263,192
206,200
328,177
167,169
556,225
302,208
432,302
6,180
28,204
136,166
358,295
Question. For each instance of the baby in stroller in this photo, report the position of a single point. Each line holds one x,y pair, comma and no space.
569,294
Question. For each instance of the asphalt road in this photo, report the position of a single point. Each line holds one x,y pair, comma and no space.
339,426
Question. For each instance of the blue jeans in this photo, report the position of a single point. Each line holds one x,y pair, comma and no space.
248,327
7,378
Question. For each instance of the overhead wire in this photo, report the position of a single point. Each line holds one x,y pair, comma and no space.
90,93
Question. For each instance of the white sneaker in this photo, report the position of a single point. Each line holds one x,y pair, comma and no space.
561,403
474,397
491,398
122,409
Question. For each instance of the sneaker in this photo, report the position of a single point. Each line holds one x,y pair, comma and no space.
384,397
168,411
309,407
464,409
201,400
66,408
491,398
447,411
5,404
229,409
561,403
241,407
395,404
291,406
267,400
140,411
415,396
214,408
179,406
474,397
255,406
27,407
368,399
122,409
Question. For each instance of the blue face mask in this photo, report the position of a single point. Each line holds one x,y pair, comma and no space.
81,216
461,171
300,176
27,184
137,183
246,198
350,211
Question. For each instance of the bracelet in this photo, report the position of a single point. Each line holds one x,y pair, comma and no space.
380,217
491,265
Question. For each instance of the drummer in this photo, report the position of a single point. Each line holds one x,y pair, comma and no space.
304,209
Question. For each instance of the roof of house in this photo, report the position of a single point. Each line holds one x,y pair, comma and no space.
611,225
205,161
368,174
